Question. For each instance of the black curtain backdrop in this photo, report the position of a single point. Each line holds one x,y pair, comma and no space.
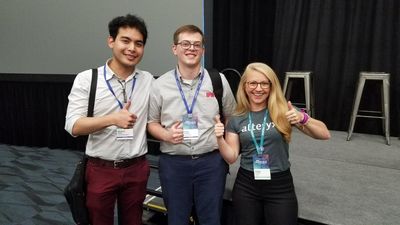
335,39
33,111
242,32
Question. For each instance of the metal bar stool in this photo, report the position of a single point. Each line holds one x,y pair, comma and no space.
384,114
308,89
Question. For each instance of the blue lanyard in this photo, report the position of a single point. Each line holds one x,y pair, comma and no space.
112,91
189,109
259,147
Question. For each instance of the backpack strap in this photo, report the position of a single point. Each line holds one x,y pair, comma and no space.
218,89
92,95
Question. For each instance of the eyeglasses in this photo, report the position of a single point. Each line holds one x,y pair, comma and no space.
254,84
186,45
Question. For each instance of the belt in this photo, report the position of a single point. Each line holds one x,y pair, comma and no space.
120,163
195,156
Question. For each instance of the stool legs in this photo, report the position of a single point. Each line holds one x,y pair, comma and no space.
386,107
385,99
286,91
308,93
357,99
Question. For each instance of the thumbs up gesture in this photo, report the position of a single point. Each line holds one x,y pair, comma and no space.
175,133
124,118
219,127
292,115
127,106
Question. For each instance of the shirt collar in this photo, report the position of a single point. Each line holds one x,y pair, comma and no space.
180,75
110,73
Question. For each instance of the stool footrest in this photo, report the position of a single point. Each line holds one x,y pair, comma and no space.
369,111
296,104
375,117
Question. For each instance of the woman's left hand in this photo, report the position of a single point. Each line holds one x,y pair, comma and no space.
293,116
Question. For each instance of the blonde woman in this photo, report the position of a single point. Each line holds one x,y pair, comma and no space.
260,133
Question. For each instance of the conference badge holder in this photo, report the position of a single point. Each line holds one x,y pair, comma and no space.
190,127
261,167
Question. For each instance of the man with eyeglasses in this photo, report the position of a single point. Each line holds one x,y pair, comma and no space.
181,114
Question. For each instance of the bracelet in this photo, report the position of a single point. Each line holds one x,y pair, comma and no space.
305,118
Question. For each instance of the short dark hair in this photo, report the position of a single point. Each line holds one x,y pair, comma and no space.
187,29
129,20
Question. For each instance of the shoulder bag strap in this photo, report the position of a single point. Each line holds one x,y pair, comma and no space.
92,94
218,89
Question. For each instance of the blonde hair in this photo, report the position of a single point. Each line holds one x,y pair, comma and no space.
277,105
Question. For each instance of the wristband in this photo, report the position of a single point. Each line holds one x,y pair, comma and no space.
305,118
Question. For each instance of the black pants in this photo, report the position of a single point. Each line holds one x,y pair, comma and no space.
271,202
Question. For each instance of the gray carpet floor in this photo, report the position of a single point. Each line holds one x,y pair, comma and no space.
337,181
31,184
354,182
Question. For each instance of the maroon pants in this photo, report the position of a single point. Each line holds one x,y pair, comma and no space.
106,185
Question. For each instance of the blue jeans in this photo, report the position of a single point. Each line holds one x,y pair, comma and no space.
188,182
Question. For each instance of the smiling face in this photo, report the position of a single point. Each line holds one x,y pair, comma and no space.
257,88
127,48
190,57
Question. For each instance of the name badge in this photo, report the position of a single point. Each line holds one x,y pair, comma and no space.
190,127
124,134
261,167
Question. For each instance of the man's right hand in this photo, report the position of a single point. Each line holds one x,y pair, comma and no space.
124,118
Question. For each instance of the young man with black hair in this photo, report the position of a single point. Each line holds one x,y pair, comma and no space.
117,169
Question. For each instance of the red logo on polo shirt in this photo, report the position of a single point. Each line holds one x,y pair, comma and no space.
210,94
